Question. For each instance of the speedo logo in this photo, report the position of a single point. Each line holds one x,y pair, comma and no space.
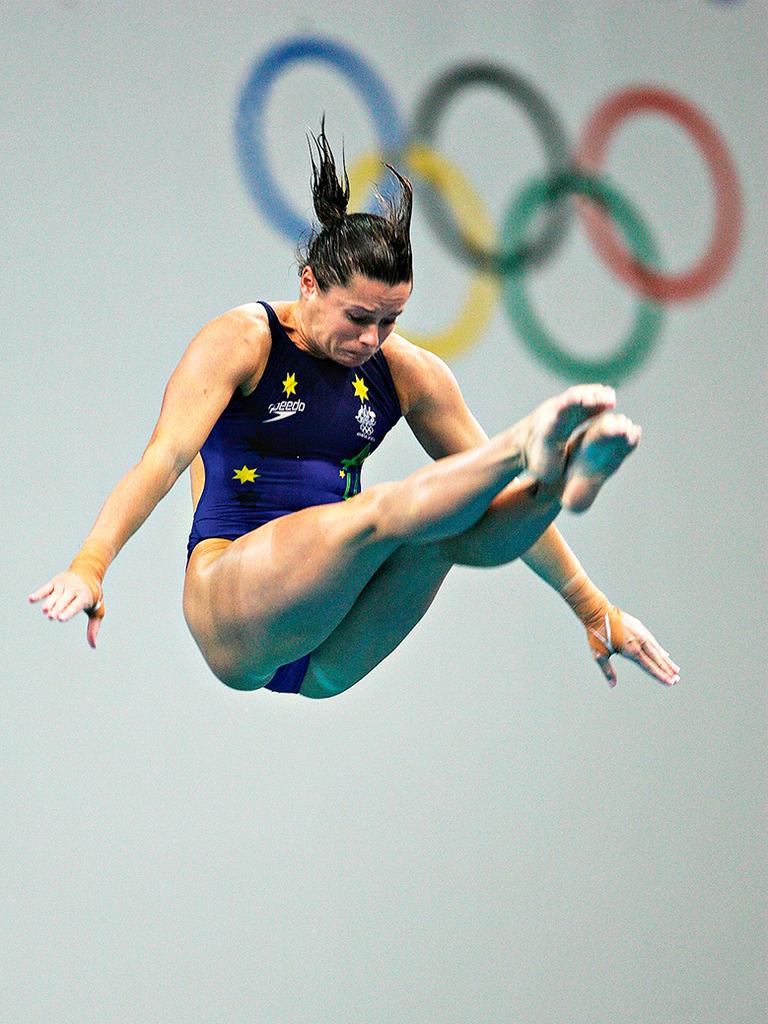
282,410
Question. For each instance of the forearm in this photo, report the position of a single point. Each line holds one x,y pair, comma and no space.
552,559
129,505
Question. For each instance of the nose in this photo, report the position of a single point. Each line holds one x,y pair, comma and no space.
370,336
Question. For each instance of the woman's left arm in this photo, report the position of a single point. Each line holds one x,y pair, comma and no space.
439,417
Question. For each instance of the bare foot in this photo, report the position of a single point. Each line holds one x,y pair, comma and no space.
596,454
551,424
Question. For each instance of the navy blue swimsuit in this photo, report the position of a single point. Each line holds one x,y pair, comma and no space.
299,439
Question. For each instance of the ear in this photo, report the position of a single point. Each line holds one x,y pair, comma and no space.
308,282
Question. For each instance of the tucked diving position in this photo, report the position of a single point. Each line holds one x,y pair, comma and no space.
298,580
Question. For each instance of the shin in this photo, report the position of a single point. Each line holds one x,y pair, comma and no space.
514,521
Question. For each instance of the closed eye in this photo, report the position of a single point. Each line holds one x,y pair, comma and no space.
360,320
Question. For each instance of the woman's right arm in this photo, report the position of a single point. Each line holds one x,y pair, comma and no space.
225,353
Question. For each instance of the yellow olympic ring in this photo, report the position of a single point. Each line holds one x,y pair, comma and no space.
476,225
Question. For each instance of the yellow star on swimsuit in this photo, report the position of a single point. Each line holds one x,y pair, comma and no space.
361,391
289,384
245,475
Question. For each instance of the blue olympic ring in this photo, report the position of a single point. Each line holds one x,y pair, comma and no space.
250,117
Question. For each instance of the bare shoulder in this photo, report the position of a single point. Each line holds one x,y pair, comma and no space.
431,399
239,340
417,373
248,322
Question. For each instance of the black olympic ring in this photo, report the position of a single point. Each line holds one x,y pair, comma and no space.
557,151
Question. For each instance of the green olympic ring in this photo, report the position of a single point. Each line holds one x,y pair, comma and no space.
635,349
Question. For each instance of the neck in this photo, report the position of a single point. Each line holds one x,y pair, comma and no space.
295,323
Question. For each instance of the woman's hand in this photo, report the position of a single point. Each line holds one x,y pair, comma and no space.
66,595
640,646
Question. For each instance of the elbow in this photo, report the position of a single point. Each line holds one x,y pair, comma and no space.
165,463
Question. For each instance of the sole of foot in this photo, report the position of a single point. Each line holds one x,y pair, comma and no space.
553,422
598,453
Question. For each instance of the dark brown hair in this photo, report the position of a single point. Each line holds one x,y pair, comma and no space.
373,245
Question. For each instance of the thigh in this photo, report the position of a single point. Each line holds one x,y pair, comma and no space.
401,591
276,593
387,609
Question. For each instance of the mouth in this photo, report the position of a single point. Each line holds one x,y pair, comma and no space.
357,357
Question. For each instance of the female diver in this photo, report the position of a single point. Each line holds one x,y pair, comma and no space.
296,579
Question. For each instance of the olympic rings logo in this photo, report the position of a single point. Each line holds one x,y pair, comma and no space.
498,260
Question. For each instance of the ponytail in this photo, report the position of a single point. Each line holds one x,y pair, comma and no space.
330,196
368,244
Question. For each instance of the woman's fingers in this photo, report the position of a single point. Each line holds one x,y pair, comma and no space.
49,608
660,663
43,591
65,595
661,660
639,656
69,608
652,661
642,647
646,662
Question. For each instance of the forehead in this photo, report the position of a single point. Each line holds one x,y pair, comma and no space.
370,294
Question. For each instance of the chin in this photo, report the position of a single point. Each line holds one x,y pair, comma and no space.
350,359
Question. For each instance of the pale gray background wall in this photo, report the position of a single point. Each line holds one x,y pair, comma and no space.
480,831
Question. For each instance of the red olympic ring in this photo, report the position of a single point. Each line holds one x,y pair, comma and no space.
590,158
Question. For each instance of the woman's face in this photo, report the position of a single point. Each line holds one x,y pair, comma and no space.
349,324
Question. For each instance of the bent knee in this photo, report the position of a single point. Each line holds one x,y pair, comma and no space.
235,676
318,685
392,511
240,680
242,683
